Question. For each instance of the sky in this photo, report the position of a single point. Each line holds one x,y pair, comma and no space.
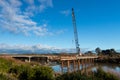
47,24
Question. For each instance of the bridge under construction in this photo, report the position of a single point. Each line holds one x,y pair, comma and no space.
62,59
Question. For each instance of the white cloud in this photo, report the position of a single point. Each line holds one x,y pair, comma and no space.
65,12
45,4
40,7
29,1
39,48
61,31
14,20
15,3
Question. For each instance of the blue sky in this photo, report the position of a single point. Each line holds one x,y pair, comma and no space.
48,23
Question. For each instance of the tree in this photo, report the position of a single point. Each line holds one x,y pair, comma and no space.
112,50
98,50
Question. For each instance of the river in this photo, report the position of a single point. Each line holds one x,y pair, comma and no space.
112,68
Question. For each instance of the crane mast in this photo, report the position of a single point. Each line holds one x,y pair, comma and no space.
75,32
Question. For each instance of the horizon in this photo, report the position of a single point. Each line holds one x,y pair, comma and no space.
47,24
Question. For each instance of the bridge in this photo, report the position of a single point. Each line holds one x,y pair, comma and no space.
46,58
64,60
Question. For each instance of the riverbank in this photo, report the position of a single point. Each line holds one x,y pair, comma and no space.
107,59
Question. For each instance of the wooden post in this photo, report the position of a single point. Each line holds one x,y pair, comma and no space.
89,60
93,60
85,61
85,69
74,65
82,61
62,64
68,65
78,64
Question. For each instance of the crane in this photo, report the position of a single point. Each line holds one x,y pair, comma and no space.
75,32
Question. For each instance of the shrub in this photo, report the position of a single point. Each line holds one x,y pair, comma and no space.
6,77
99,75
104,75
43,73
32,73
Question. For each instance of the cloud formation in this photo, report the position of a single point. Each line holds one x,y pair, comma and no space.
39,48
65,12
16,20
40,7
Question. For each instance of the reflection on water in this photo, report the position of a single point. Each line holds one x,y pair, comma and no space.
112,68
117,69
72,68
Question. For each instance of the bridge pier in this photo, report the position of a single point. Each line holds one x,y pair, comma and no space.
82,63
74,65
29,59
62,65
68,65
78,64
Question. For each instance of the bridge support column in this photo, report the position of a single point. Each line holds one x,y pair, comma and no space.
93,60
29,60
85,61
89,60
74,65
68,65
78,64
62,64
82,61
47,60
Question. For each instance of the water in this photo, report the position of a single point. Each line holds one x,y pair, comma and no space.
112,68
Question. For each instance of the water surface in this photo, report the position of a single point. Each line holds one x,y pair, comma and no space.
112,68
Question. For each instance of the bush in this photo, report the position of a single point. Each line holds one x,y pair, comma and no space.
43,73
102,75
32,73
74,76
6,77
99,75
23,71
4,65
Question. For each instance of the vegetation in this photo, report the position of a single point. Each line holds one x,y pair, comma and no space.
108,55
105,56
11,69
6,77
102,75
98,75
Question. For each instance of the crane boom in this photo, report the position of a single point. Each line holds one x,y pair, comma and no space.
75,32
